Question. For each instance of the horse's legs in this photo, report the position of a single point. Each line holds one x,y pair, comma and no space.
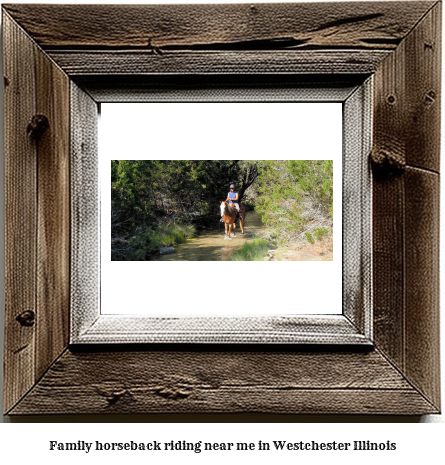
228,231
241,223
225,226
234,228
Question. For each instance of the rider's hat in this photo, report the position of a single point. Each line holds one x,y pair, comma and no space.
232,186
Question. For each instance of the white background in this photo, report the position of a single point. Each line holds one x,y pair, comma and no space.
28,443
205,131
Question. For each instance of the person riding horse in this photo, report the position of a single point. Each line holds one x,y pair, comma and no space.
233,199
231,212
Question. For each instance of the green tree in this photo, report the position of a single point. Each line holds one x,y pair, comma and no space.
315,179
295,196
145,192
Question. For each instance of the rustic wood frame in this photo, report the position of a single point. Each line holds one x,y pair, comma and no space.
98,49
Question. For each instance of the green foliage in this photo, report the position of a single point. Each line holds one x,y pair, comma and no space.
251,251
187,186
295,196
147,242
143,192
315,179
132,199
320,233
309,237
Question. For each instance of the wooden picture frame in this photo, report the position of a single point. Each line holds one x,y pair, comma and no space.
56,70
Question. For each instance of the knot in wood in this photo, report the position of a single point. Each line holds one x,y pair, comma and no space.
155,50
387,162
114,397
172,393
430,97
37,126
26,318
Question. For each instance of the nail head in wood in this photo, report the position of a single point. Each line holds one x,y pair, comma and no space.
37,126
26,318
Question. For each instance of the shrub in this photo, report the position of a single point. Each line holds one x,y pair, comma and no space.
147,241
309,237
251,251
320,233
185,230
295,197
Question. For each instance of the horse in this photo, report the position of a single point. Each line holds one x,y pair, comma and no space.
229,216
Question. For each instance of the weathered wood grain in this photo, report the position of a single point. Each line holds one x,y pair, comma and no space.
267,38
399,42
388,268
142,88
357,209
388,201
406,132
79,63
230,382
258,90
37,214
53,199
422,364
423,91
274,26
109,329
84,203
20,213
407,114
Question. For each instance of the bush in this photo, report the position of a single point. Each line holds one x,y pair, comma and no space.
320,233
186,230
309,237
147,241
251,251
296,197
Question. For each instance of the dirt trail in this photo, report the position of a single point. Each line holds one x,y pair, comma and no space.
300,253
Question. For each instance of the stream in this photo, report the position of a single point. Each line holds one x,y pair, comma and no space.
209,245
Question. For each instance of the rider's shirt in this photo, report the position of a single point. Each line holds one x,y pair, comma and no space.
232,197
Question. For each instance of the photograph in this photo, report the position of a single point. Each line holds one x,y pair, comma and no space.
217,210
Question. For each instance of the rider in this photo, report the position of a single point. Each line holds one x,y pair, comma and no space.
233,197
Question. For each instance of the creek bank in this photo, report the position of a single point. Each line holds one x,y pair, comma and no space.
166,250
209,244
300,252
151,240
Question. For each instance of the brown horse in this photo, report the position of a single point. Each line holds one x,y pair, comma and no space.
228,214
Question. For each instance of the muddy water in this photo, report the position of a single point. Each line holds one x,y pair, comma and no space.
210,245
